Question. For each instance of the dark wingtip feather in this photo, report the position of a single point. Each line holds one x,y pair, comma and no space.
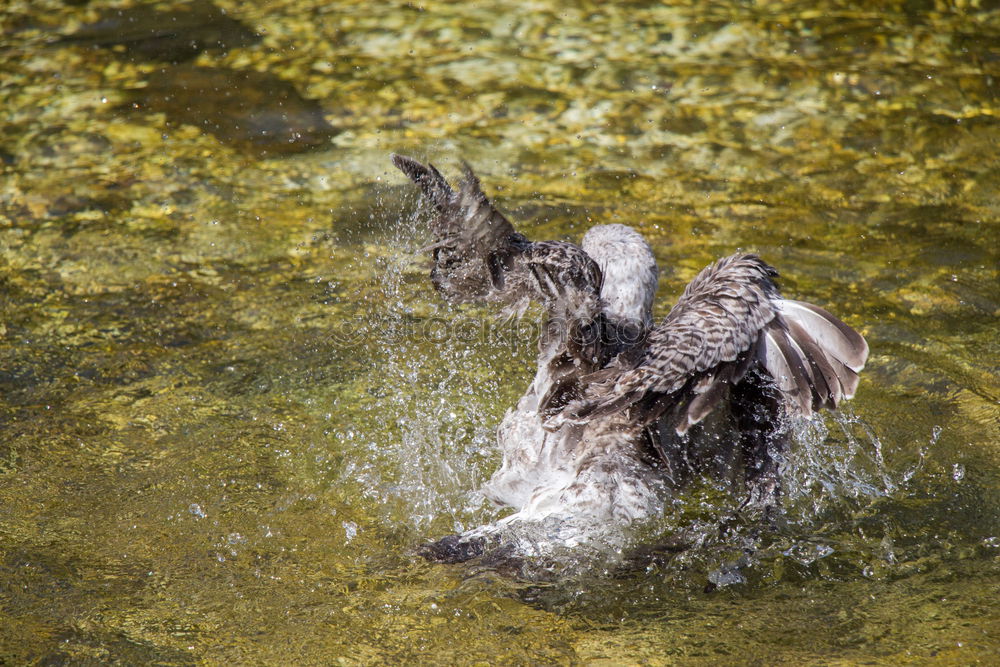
469,176
471,189
413,169
431,182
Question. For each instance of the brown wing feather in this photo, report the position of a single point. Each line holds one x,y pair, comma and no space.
700,348
730,319
478,256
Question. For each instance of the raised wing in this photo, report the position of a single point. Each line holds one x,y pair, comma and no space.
479,257
730,319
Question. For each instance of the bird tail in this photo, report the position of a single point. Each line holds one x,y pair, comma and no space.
813,357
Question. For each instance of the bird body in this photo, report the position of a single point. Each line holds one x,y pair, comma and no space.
622,410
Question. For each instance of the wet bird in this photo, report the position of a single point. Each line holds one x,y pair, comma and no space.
622,411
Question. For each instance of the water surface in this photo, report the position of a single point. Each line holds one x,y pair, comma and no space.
232,404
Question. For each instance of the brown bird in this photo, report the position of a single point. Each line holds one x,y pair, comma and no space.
622,412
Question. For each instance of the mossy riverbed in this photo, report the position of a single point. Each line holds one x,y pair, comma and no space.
232,403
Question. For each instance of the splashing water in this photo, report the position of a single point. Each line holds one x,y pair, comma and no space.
440,397
834,459
433,401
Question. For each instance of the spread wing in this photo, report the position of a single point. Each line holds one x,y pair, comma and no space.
730,319
478,256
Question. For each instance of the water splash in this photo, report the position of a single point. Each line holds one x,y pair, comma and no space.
430,415
432,442
835,459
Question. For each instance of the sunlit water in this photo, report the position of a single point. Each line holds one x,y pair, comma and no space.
233,404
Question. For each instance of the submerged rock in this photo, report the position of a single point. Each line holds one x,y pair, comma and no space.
256,112
146,33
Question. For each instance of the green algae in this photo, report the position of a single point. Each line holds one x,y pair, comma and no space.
227,417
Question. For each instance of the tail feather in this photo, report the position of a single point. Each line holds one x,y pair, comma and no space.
836,338
814,357
785,362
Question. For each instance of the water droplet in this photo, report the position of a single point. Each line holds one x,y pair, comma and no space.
350,530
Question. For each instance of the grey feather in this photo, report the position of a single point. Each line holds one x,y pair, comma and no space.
717,320
786,363
831,352
836,338
612,392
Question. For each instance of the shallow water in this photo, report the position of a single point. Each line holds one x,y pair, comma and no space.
232,404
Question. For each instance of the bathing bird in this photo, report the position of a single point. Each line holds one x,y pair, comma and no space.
623,411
